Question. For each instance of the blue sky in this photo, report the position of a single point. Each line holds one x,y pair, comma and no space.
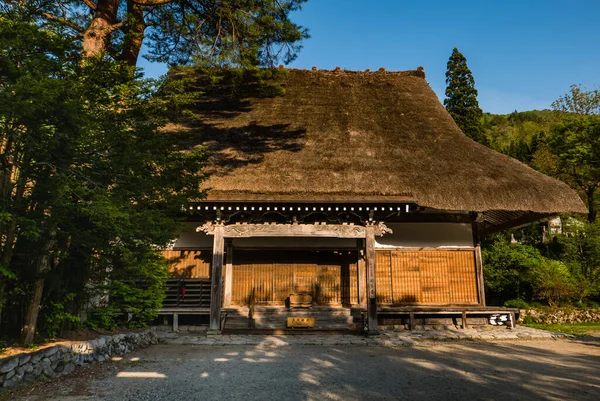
523,53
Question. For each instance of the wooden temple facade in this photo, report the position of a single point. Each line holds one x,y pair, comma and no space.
354,189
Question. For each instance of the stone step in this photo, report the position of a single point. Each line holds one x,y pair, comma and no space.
282,325
323,322
290,312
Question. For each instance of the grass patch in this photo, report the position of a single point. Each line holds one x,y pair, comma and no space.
568,328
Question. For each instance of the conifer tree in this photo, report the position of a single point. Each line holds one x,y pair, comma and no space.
461,97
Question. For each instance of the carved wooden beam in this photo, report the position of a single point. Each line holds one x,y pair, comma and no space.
293,230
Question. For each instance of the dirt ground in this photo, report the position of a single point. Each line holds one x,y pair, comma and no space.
524,370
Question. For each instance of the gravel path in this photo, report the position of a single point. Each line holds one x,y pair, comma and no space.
524,370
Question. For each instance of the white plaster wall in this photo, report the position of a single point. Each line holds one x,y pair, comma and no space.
298,242
192,239
406,235
426,235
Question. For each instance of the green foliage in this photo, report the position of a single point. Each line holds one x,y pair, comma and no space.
56,316
461,97
519,134
225,32
579,101
568,328
516,303
552,282
139,287
135,286
575,143
580,249
235,83
231,32
89,175
508,269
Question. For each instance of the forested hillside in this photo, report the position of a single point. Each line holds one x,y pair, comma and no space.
563,145
519,134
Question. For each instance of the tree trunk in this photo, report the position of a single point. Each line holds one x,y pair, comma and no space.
592,212
134,33
33,309
95,36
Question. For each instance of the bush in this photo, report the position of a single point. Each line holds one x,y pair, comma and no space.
507,270
516,303
580,248
56,316
552,282
136,290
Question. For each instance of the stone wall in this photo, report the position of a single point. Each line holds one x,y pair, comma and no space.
559,315
62,359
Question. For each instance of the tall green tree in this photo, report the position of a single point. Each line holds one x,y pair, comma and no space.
575,151
243,32
579,101
90,183
580,249
461,98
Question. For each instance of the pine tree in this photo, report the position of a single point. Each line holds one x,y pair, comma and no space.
461,97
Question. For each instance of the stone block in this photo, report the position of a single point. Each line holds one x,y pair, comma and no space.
23,359
47,371
37,369
69,367
30,377
9,383
50,351
37,357
9,374
59,367
9,364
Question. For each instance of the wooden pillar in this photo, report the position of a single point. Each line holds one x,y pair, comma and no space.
479,273
371,281
362,299
228,274
175,322
217,279
478,264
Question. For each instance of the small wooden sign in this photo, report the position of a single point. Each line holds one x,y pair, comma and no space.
304,322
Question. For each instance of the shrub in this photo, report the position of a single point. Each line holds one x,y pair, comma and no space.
552,282
136,290
56,316
507,270
580,248
516,303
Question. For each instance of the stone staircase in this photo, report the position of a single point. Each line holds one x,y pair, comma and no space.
275,318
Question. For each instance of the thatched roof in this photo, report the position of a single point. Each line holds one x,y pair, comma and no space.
372,136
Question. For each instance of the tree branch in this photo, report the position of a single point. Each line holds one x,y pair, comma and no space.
64,22
90,4
151,2
115,27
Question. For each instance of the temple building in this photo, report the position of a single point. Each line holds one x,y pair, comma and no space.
350,199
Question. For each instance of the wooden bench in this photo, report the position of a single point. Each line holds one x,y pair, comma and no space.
463,311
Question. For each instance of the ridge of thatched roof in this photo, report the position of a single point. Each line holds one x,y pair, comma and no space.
349,135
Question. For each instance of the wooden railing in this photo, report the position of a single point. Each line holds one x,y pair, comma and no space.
187,293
